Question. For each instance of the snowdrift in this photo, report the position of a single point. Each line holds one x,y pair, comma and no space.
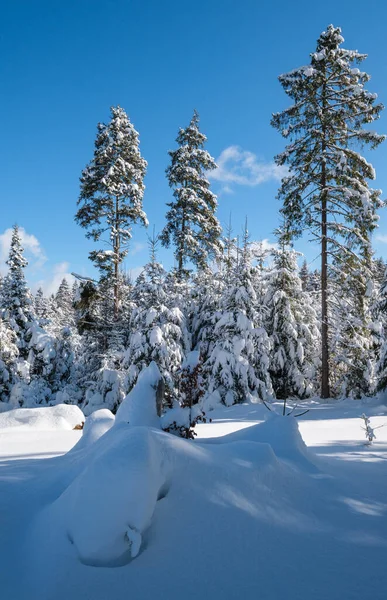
110,505
96,425
283,435
47,418
138,488
139,406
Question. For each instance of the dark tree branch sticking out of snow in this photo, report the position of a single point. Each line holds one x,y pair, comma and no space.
331,107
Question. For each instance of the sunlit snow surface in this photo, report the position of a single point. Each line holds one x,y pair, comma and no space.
245,511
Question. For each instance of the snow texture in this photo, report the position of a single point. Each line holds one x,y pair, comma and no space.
62,416
139,406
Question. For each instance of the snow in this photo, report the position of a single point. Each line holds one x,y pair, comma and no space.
109,506
96,425
61,416
139,406
258,506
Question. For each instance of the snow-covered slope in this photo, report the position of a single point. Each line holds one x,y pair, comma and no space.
252,514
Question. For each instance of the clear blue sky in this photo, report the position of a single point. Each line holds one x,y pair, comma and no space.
64,63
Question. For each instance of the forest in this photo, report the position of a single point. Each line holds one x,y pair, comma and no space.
232,321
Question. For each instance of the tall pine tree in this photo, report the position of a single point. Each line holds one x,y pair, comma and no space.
191,222
112,190
327,191
17,299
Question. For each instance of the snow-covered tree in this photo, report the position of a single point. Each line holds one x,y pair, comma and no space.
327,190
42,307
18,308
158,328
294,338
112,189
191,222
8,356
237,368
354,334
63,303
381,307
304,275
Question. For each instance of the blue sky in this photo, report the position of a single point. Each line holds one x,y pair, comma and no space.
65,63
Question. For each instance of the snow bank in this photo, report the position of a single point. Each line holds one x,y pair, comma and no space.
139,407
111,503
228,514
283,435
96,425
45,418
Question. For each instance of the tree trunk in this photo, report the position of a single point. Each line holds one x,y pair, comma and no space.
116,264
180,256
325,393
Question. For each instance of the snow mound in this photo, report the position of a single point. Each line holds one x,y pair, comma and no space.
96,425
139,407
111,503
45,418
283,435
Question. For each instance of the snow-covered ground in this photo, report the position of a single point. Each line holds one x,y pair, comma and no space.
245,511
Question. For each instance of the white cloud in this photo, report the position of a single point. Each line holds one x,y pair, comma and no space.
241,167
33,250
136,248
381,238
264,245
51,284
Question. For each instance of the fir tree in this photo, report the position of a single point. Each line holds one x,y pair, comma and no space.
304,275
327,191
64,305
112,189
293,333
158,328
8,358
191,222
352,340
42,308
237,368
17,300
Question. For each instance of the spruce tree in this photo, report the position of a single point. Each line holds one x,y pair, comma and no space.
17,299
158,328
64,305
292,327
42,308
304,275
237,368
112,189
191,222
352,341
8,359
327,191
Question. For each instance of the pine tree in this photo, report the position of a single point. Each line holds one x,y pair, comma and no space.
381,307
17,300
158,328
8,357
304,275
112,189
237,368
352,340
64,305
42,308
327,191
191,222
293,331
